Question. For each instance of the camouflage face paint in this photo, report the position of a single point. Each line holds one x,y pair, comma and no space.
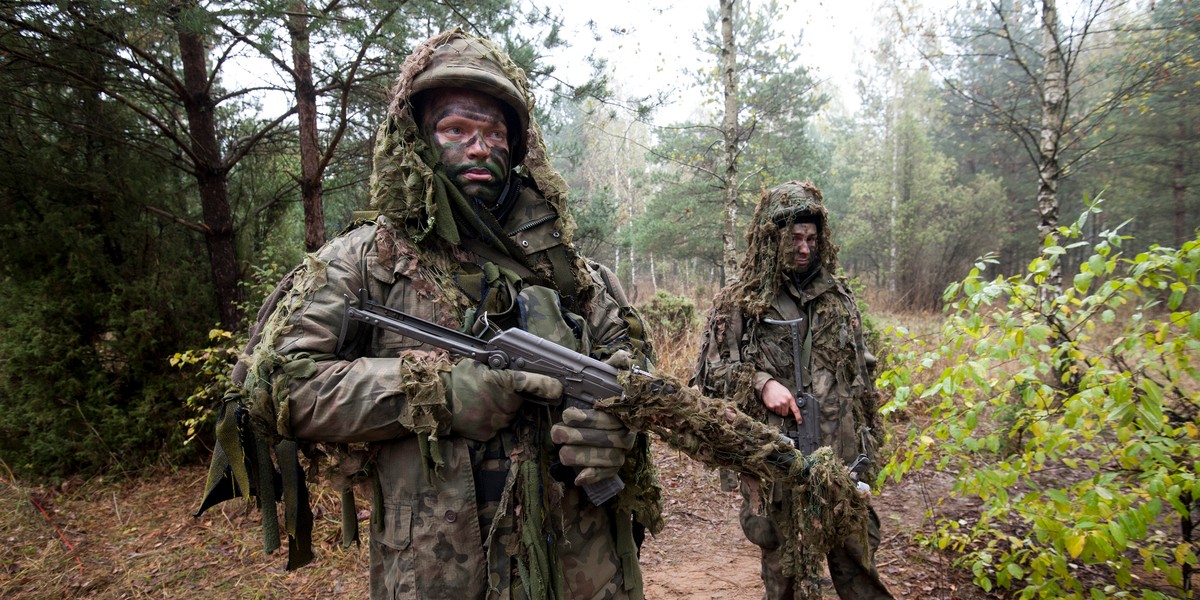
801,246
469,132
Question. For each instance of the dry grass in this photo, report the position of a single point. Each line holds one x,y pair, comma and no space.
137,539
676,354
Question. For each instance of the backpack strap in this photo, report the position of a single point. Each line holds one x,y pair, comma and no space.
733,335
564,277
241,465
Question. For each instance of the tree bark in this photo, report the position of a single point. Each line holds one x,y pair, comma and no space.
306,109
1053,104
210,171
729,128
895,184
1179,188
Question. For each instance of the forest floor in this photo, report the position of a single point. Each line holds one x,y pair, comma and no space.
137,539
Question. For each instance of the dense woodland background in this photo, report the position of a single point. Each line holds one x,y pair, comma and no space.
151,199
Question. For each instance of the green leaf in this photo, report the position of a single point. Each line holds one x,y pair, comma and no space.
1118,533
1150,408
1059,497
1016,571
1082,282
1039,333
1175,299
1074,544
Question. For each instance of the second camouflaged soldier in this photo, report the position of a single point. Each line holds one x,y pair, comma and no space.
789,277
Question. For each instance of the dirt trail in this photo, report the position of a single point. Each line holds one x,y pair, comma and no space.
702,553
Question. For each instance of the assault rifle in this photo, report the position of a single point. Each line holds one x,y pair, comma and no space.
807,437
584,379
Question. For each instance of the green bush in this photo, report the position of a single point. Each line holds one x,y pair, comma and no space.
1072,416
669,316
209,367
86,325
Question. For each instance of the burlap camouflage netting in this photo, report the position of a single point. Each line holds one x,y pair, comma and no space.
425,411
824,499
767,257
420,199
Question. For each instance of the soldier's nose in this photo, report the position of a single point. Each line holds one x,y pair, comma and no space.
476,147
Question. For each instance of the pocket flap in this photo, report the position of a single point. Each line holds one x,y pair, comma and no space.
392,525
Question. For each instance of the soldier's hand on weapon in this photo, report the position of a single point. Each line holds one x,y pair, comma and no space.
483,400
593,441
779,400
620,360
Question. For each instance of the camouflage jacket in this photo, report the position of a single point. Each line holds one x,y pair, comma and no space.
428,529
740,355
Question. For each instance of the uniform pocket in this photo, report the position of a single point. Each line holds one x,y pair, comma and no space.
392,526
396,292
775,353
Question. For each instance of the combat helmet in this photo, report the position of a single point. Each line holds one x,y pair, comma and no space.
471,63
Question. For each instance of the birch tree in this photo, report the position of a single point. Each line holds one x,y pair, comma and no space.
1024,69
729,131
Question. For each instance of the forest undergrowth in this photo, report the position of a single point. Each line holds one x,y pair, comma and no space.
135,537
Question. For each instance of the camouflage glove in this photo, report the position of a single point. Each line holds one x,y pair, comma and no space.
592,440
483,400
620,360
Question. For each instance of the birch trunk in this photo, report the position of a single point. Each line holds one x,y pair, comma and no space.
729,127
1053,105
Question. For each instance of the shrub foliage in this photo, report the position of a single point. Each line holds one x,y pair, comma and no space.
1071,416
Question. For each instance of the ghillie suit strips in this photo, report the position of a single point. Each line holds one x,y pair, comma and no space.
824,499
766,262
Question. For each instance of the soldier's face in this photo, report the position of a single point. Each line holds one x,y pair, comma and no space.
803,246
468,131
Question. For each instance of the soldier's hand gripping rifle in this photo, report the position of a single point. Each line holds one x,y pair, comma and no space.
807,436
584,379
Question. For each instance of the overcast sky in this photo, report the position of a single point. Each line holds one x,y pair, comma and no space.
658,45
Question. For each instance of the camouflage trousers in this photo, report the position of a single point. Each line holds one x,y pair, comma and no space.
851,567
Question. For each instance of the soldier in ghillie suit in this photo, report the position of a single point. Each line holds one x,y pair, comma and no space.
477,490
789,275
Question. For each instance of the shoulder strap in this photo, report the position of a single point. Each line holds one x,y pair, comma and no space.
806,348
564,275
733,335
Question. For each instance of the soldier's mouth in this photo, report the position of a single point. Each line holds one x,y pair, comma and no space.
477,174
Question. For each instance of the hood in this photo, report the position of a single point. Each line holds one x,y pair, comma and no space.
763,268
404,184
790,203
